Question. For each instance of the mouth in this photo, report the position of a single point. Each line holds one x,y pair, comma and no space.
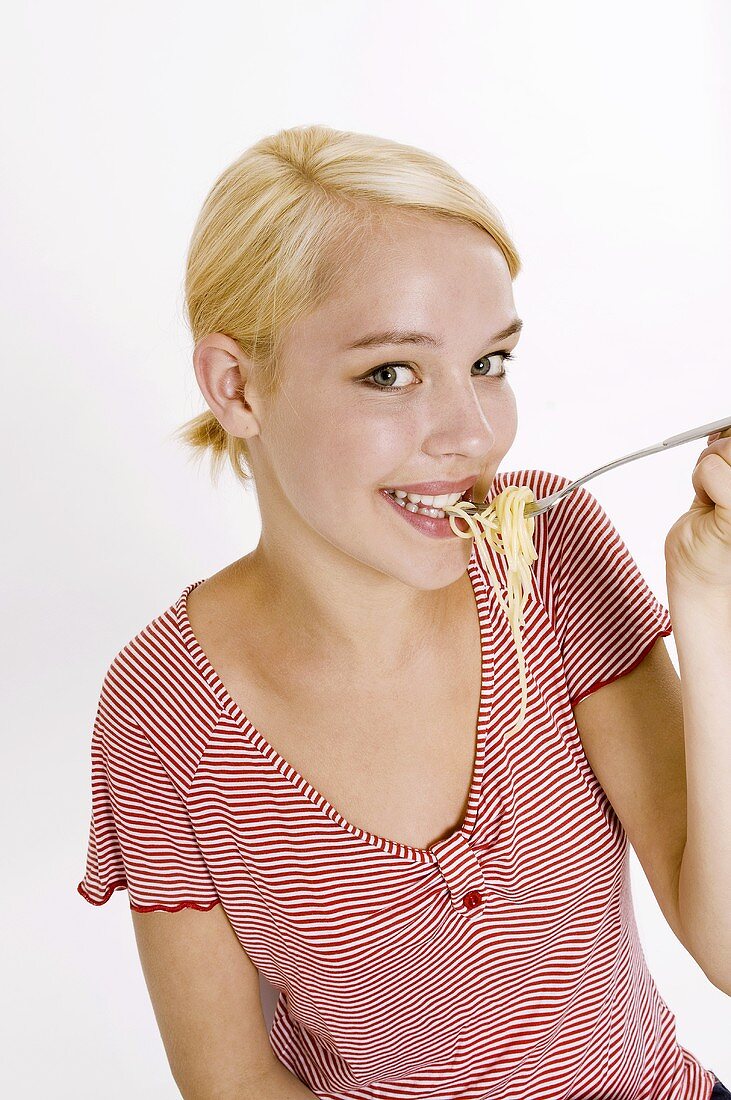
436,507
433,522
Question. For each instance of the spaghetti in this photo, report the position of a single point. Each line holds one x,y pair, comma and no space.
510,531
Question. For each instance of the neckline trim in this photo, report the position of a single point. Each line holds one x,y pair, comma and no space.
482,593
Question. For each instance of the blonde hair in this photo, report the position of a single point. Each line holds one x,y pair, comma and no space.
278,228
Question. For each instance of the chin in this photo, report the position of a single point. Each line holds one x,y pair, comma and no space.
434,575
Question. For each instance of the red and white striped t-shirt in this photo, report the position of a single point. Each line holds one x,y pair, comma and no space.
501,962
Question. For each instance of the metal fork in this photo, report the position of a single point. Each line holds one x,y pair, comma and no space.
544,503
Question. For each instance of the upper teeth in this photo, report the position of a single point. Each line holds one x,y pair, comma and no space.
429,502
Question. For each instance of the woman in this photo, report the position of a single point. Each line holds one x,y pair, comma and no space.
305,757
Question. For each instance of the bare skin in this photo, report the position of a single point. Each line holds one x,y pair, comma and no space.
348,638
394,755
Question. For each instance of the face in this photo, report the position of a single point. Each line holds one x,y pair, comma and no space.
349,422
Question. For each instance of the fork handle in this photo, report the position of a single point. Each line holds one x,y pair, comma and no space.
697,433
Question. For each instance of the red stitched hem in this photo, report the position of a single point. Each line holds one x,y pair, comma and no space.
175,908
625,671
121,884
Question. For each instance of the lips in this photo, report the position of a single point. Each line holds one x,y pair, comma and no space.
440,528
436,488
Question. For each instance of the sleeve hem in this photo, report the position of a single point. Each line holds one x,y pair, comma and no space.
663,633
122,885
202,906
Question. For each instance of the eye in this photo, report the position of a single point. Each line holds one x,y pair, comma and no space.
503,356
391,368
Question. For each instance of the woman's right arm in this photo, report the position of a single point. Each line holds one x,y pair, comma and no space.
205,995
280,1084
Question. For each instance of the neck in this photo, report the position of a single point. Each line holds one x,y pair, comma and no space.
376,625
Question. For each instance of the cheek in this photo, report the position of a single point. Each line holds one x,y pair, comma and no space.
324,456
327,453
359,446
502,414
392,442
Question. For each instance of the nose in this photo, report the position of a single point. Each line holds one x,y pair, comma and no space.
460,426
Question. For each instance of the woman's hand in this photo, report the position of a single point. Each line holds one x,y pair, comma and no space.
698,545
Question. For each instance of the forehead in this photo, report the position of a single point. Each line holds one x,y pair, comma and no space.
419,272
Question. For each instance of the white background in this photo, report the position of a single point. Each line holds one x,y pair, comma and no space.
602,134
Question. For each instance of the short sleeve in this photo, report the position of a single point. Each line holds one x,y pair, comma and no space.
605,615
140,838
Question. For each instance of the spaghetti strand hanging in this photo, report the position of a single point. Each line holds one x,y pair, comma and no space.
509,530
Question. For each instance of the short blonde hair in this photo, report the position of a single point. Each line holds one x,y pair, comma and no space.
279,227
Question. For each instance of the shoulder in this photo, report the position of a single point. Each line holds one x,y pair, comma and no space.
150,662
154,685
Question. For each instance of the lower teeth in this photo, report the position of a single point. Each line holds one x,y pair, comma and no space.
433,513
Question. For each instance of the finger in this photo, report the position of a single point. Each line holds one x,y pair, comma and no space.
712,477
699,474
720,446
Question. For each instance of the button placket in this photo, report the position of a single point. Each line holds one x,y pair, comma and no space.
462,873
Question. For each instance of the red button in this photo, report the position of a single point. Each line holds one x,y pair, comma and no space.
473,898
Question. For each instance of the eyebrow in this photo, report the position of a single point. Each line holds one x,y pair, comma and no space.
406,336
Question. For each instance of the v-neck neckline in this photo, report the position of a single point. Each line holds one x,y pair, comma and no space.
258,740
